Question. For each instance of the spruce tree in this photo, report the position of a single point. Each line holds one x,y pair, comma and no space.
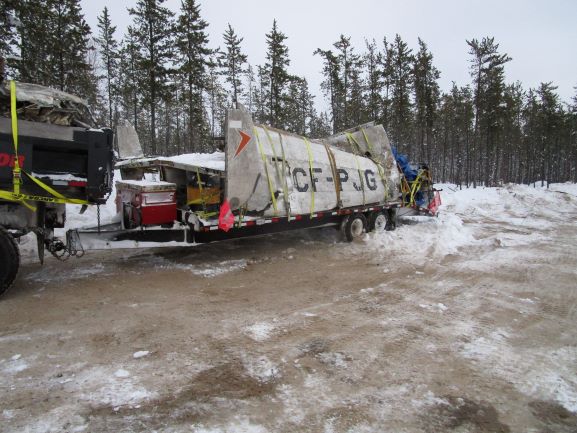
152,28
401,59
277,61
426,91
260,92
108,48
57,58
387,73
233,62
34,46
332,86
373,60
487,71
217,105
193,58
509,160
69,41
129,78
251,87
351,96
299,106
7,34
320,125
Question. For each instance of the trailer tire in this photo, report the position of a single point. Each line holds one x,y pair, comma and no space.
391,215
9,260
353,226
377,222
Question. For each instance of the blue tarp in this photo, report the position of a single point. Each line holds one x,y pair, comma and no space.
409,171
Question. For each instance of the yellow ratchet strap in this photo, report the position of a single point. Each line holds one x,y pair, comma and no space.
416,187
308,144
377,163
263,157
278,174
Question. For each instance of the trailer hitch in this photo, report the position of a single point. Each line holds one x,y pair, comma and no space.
63,251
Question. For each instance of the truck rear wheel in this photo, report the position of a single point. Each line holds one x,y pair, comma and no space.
353,226
9,260
377,222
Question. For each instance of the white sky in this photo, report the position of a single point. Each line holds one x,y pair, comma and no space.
540,36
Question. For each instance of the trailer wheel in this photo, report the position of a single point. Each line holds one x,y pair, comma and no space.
377,222
353,226
391,219
10,260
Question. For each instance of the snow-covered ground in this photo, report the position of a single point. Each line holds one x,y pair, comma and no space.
463,322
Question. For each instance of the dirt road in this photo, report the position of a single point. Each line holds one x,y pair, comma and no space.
463,323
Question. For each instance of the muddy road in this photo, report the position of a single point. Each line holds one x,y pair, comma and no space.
462,323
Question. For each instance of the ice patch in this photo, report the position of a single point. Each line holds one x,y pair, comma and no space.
239,426
429,399
214,270
260,331
120,373
538,372
439,307
334,359
140,354
15,366
262,369
207,270
55,274
100,385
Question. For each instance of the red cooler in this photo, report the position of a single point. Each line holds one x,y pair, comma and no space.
146,203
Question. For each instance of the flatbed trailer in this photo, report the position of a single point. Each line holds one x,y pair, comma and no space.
266,181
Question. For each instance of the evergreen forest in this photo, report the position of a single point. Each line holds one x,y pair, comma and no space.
163,78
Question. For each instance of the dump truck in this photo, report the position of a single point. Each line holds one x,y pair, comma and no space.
50,155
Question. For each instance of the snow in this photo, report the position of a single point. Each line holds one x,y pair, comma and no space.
207,270
525,207
214,161
65,177
121,373
140,354
260,331
261,368
241,425
145,183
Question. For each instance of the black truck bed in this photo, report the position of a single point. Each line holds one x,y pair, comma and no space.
77,162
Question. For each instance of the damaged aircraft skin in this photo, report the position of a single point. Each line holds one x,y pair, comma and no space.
45,105
275,173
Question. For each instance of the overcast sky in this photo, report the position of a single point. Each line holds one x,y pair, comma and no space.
540,36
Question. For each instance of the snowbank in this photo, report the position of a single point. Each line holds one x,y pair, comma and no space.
520,208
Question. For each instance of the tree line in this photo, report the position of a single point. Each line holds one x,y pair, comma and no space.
163,78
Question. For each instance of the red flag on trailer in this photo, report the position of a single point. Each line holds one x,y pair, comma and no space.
225,218
435,203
